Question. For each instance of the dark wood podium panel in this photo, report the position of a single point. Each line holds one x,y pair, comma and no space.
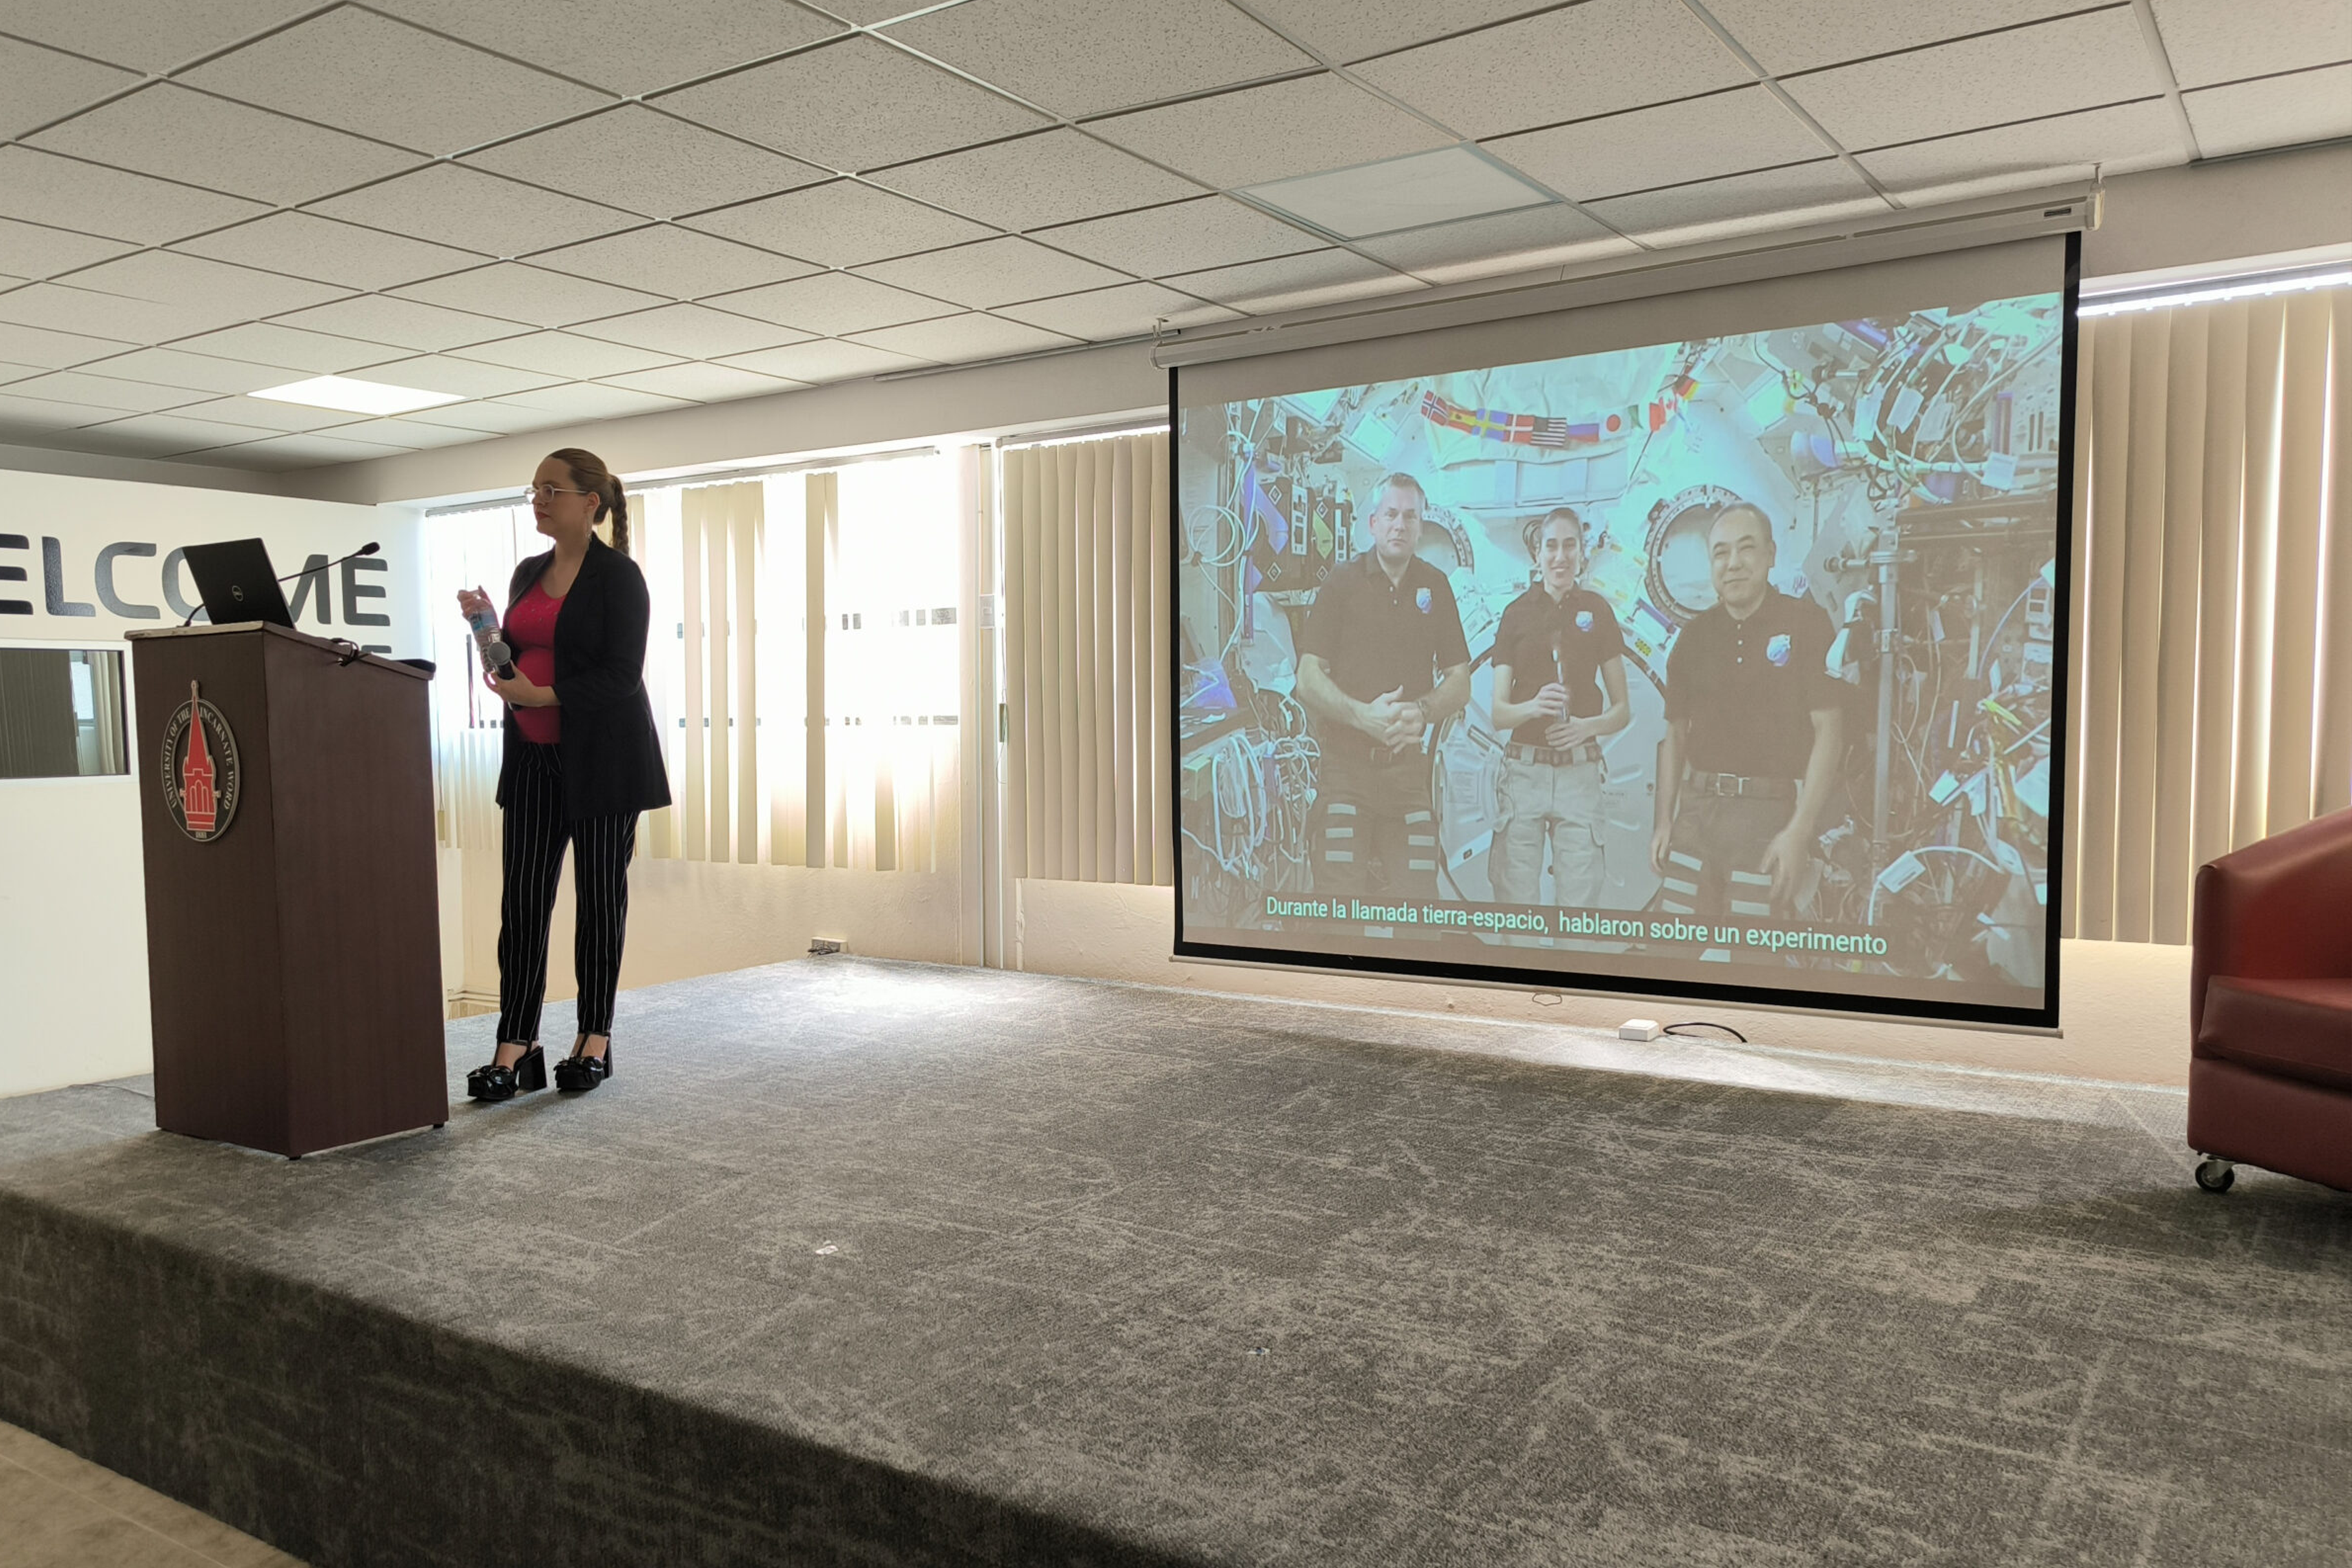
294,956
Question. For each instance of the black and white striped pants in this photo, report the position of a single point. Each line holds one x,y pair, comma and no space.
535,833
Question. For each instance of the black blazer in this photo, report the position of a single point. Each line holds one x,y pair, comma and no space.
612,754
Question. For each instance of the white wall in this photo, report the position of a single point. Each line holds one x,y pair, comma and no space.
73,952
2124,1005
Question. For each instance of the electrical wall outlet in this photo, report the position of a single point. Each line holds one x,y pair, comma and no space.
1639,1029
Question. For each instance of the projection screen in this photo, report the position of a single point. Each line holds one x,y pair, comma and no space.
1707,645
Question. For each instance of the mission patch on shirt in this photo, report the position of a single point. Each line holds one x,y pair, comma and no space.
1378,635
1748,689
1567,642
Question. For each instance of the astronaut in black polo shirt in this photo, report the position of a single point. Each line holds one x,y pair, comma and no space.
1382,663
1560,687
1753,732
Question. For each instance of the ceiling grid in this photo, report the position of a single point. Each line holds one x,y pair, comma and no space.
568,210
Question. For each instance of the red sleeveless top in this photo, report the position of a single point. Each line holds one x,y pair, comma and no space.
531,632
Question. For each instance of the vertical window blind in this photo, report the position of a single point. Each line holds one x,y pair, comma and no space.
2212,657
1085,664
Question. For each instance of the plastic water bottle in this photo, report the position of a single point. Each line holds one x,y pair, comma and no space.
495,655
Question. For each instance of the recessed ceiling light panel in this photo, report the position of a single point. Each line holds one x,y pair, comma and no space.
353,396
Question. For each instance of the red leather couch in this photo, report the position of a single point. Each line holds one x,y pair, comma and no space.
2270,1008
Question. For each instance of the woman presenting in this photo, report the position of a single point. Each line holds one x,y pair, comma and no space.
581,760
1560,687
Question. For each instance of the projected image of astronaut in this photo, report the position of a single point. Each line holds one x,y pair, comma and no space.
1559,688
1382,663
1754,735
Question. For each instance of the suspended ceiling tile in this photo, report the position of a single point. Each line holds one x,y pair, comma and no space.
168,435
857,104
476,210
150,36
1802,35
1401,192
839,225
196,373
584,400
104,391
410,433
300,451
624,45
359,71
673,262
825,360
1183,236
1701,139
1294,282
867,12
1060,55
520,293
458,378
1491,246
704,382
43,346
2039,152
1128,310
956,340
403,324
35,250
650,164
485,418
2051,68
266,414
1056,176
1347,30
830,303
264,343
171,131
561,354
309,246
992,272
1568,64
59,307
2211,41
65,193
691,331
221,290
1259,133
19,416
1742,203
2277,112
44,85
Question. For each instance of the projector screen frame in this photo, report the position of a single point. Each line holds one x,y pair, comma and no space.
2067,552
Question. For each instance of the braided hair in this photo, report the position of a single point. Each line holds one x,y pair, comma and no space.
589,472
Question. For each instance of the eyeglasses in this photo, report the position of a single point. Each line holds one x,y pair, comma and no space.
538,493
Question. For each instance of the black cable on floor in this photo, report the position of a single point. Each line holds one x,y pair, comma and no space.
1703,1023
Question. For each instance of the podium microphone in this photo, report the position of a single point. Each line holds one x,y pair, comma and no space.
370,548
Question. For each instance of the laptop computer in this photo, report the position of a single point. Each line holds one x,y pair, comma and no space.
237,582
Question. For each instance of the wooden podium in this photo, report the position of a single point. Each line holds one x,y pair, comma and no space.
293,928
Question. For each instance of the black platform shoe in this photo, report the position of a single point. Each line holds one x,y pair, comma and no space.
527,1072
578,1073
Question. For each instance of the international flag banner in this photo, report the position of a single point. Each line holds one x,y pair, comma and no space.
1547,432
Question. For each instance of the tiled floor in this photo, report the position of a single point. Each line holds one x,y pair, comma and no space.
59,1511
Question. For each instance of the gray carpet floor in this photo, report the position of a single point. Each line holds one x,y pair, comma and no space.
1241,1281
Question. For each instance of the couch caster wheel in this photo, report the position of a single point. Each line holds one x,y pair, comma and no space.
2216,1175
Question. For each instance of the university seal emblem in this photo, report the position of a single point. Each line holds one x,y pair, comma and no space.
200,775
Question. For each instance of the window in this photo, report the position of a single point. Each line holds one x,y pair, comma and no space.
61,714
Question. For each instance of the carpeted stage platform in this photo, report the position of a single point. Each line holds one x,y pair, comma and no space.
863,1263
